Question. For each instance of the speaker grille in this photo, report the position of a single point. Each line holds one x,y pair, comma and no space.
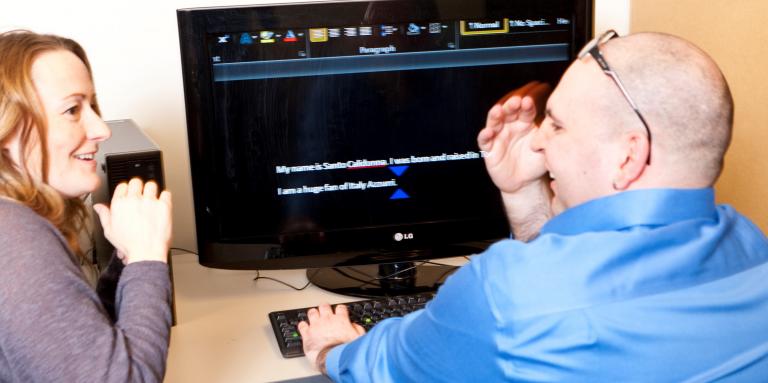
145,165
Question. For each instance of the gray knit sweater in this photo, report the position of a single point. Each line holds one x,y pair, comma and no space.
54,328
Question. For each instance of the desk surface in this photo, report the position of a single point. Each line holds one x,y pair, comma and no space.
223,332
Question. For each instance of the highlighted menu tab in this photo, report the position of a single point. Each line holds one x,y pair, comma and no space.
318,35
484,27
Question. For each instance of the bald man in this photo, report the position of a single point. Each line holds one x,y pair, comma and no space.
623,268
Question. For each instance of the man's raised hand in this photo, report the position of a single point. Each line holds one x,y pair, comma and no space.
506,138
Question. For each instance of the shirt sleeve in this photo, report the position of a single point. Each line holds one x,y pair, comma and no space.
450,340
53,326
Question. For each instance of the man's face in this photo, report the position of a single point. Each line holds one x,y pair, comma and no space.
573,141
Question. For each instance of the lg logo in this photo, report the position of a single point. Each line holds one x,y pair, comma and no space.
401,236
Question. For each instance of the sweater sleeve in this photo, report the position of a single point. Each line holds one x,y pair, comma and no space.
53,326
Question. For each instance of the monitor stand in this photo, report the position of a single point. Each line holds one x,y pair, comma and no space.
386,279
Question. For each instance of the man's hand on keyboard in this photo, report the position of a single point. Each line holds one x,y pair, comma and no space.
326,329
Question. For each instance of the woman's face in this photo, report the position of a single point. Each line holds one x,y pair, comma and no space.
66,93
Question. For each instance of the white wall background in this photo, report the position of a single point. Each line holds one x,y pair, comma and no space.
134,50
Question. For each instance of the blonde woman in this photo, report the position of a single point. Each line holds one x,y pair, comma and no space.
53,326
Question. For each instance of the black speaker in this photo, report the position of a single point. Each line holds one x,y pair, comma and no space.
127,154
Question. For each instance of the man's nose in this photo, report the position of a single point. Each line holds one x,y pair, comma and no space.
538,139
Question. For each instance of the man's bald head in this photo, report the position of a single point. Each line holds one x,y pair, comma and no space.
684,98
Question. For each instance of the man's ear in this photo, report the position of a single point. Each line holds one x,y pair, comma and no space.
634,156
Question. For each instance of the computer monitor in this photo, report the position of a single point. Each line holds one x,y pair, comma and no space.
339,133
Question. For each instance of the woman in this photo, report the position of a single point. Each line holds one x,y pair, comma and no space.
53,327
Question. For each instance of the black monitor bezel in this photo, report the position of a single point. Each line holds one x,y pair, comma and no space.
194,26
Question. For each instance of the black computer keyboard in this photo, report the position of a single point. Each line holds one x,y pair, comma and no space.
366,313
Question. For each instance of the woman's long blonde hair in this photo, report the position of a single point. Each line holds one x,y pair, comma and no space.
22,115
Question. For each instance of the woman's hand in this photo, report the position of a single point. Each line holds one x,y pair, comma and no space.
137,222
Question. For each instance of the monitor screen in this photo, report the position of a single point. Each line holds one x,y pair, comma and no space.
344,132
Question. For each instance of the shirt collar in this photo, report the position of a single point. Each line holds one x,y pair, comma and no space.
647,207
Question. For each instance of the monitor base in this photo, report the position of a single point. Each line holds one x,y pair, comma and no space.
386,279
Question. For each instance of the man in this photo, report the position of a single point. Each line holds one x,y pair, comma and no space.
623,267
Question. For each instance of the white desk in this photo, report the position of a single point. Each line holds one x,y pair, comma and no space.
223,332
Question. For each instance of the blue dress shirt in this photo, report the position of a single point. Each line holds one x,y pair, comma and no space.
646,286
